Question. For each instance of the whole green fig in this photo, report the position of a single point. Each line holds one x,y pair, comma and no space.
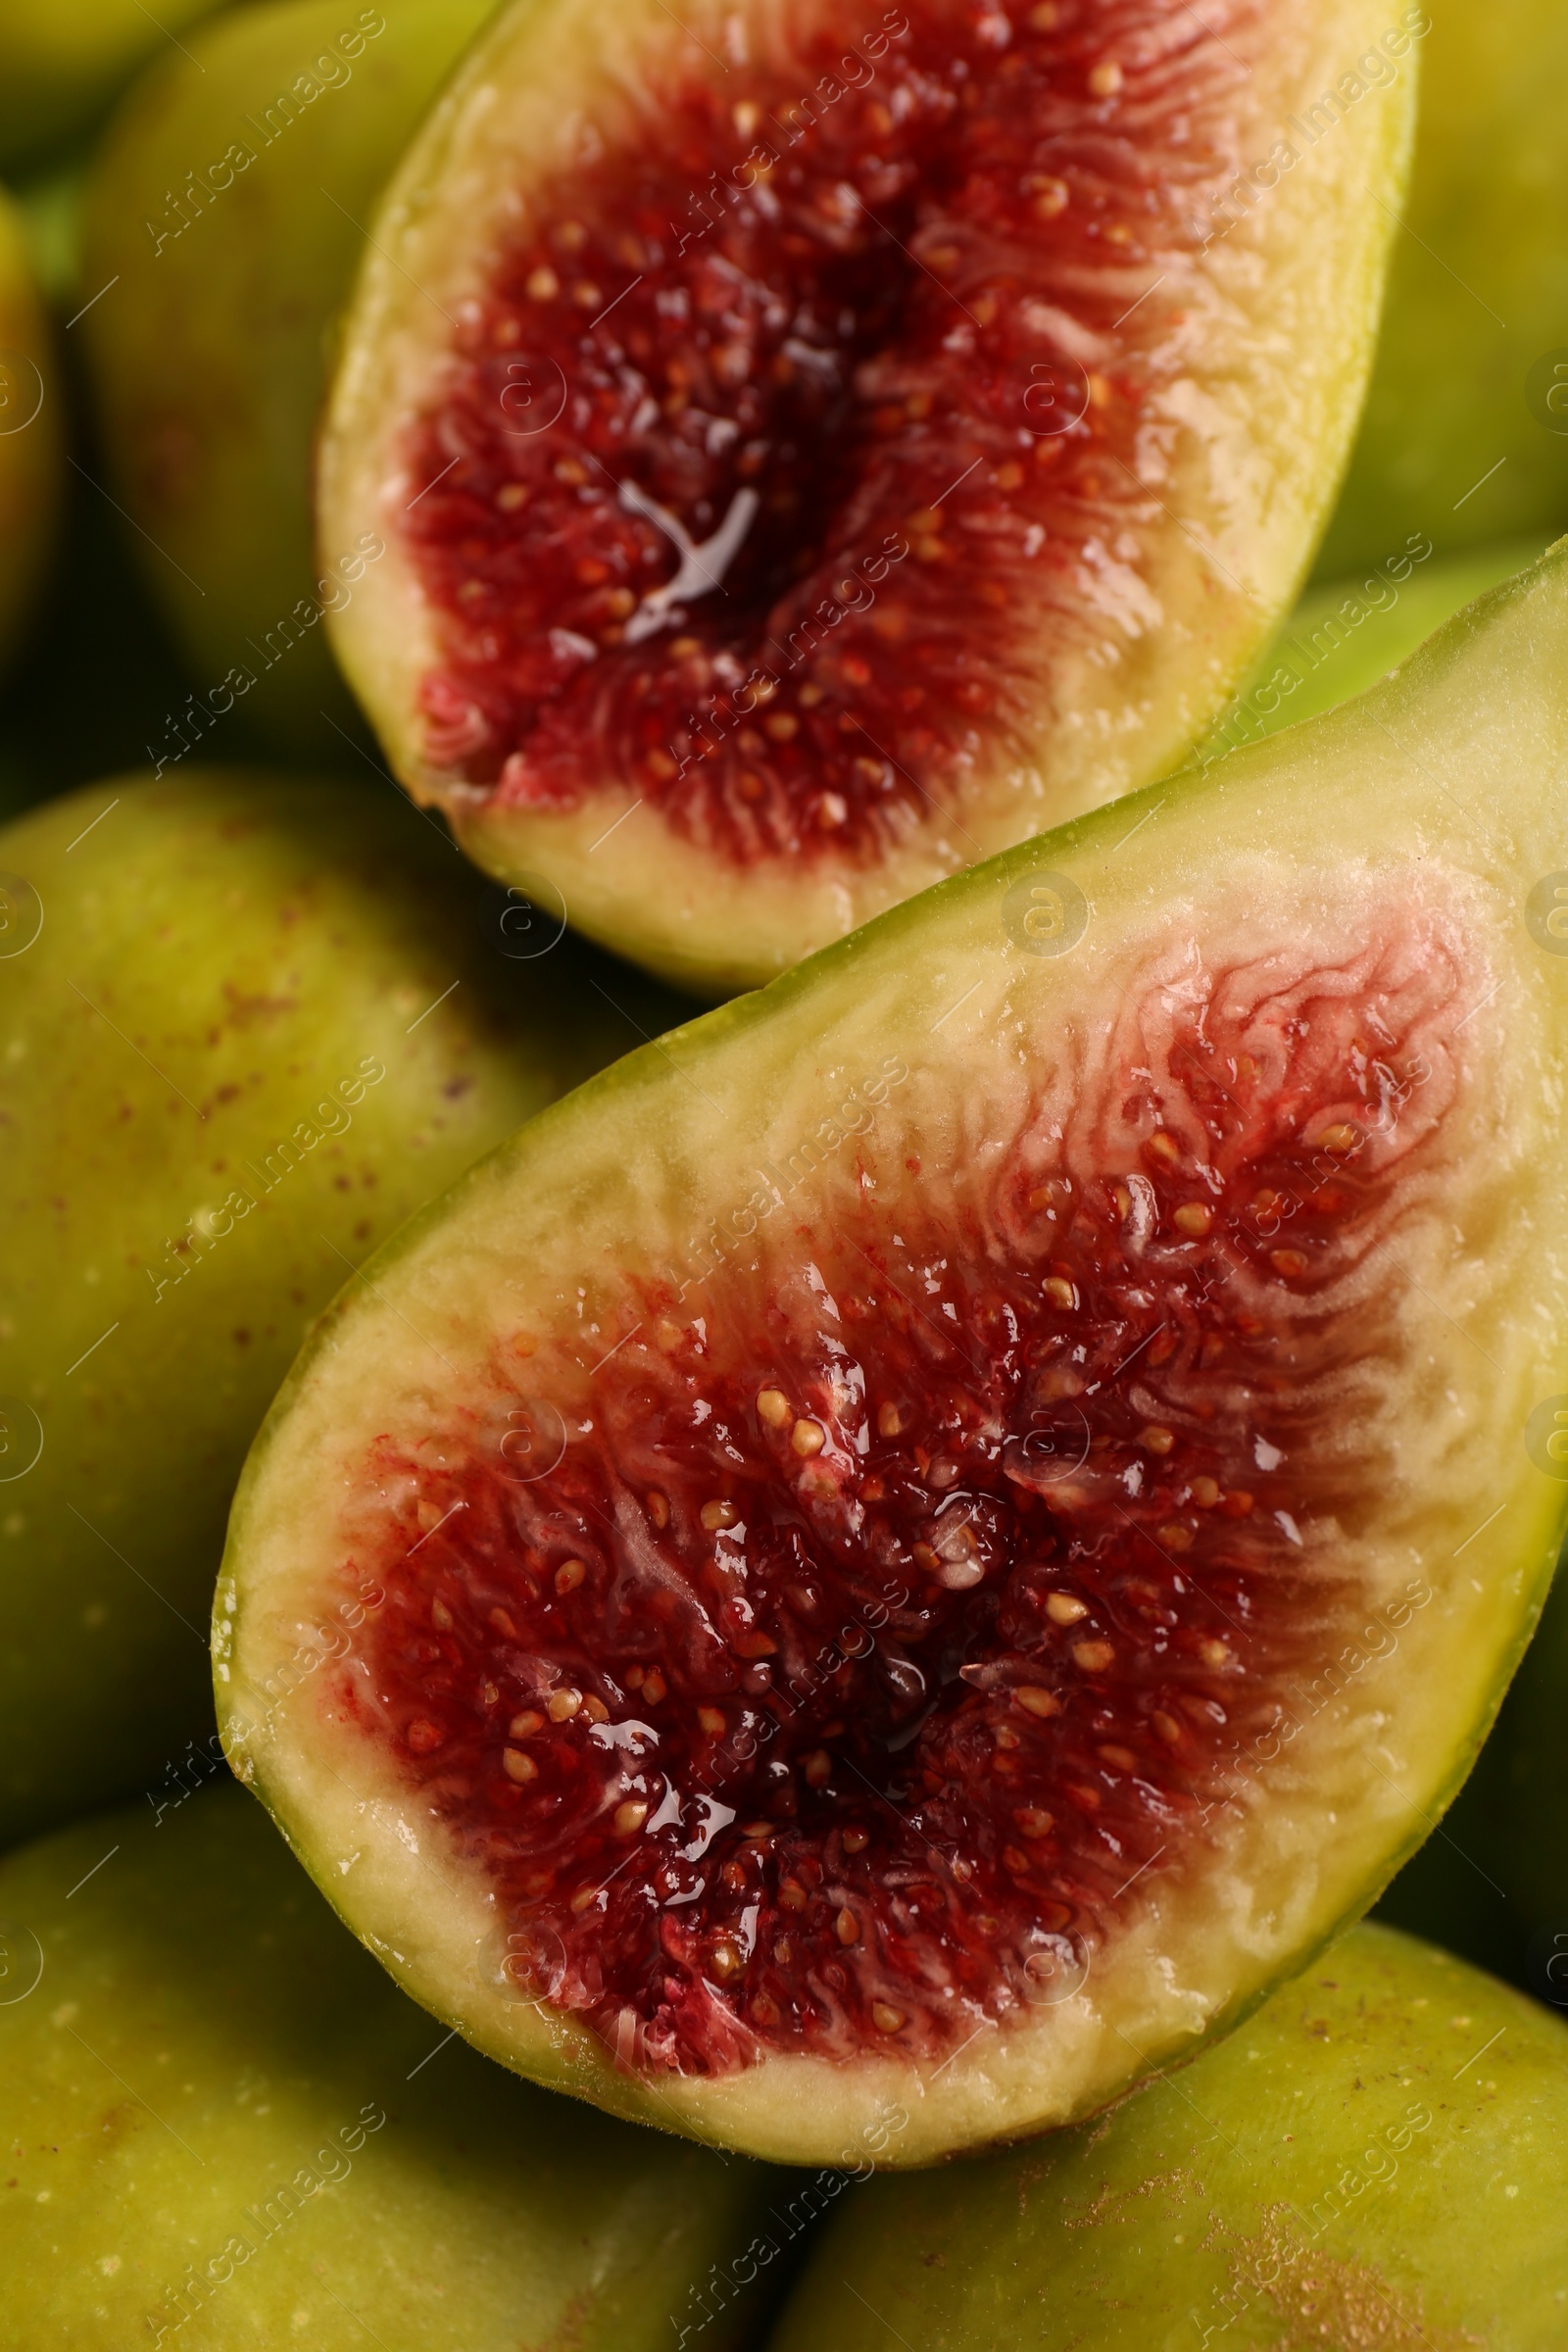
60,64
224,220
1463,435
220,2115
1379,2158
247,1026
31,444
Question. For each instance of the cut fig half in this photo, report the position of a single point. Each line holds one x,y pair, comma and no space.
911,1549
815,451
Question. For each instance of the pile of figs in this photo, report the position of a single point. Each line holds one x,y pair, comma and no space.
783,1220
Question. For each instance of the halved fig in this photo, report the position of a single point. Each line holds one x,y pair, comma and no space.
814,451
1374,2163
217,2110
926,1540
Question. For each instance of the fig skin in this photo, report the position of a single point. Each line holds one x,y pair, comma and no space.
1354,2165
437,2203
208,359
218,956
60,65
1347,634
31,436
1485,242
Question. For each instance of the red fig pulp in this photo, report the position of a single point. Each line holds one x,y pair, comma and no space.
831,460
897,1614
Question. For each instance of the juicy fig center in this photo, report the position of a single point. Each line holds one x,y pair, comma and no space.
799,442
884,1616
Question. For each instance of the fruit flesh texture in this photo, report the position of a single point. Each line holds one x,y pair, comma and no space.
220,2115
719,1400
223,963
208,357
1355,2167
1456,439
839,373
905,625
1059,1658
31,450
59,66
52,735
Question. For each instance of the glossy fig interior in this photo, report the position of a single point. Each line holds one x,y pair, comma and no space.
854,1650
768,468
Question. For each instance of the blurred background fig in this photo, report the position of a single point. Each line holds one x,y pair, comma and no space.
225,2128
224,218
1378,2158
247,1025
62,61
1347,634
32,432
1465,432
87,611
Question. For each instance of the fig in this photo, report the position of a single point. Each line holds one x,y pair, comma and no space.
31,448
218,2110
223,218
815,451
1463,434
936,1534
1347,634
247,1025
60,65
1377,2159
